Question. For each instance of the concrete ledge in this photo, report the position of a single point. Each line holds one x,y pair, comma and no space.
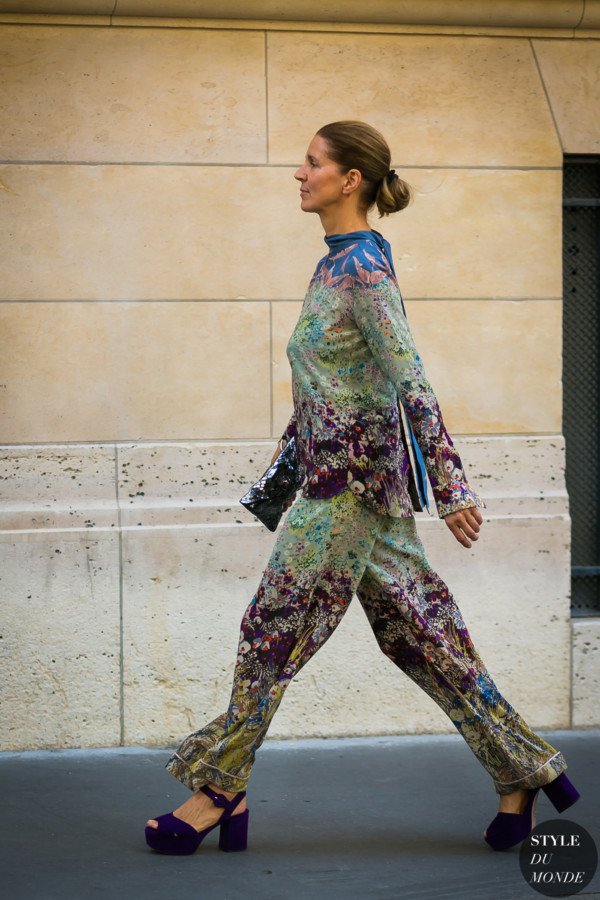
534,13
177,484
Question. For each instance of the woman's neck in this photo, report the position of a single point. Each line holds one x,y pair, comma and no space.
342,223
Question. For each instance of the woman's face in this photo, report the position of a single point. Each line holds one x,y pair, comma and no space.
320,178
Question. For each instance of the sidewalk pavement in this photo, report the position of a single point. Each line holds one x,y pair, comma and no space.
389,818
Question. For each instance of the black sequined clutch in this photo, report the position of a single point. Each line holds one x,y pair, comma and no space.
266,498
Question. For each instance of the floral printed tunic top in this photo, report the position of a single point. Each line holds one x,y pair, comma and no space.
353,359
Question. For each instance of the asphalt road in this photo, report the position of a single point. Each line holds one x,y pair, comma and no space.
382,818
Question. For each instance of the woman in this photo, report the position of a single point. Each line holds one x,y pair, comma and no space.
353,529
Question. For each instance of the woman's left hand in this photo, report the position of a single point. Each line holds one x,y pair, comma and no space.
465,524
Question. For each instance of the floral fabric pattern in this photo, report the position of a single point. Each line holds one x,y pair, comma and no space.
326,551
353,359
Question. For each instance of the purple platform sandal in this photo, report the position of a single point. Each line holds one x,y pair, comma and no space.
177,837
508,829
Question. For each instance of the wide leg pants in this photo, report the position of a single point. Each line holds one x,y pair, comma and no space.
325,552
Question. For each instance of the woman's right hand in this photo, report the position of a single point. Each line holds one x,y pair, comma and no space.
465,524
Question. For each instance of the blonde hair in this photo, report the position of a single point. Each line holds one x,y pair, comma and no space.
356,145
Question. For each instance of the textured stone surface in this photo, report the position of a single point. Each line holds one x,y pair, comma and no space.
590,18
438,100
135,371
190,562
586,672
195,232
571,73
479,233
438,12
132,94
182,484
567,18
54,487
100,9
59,652
520,475
496,366
283,321
184,592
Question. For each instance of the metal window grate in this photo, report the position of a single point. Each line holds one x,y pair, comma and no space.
581,374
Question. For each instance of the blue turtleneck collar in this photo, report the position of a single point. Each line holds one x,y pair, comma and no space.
339,241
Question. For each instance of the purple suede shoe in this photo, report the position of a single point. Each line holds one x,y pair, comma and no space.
561,793
508,829
177,837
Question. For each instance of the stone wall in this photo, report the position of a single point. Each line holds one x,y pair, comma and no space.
155,259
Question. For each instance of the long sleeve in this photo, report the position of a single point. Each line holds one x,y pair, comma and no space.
290,429
377,312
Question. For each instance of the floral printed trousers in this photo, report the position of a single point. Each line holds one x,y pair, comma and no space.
326,551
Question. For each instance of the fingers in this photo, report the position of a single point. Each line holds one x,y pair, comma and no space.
458,534
465,525
472,522
474,513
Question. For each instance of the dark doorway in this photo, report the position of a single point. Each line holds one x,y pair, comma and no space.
581,374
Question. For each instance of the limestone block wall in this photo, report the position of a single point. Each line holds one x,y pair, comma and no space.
155,260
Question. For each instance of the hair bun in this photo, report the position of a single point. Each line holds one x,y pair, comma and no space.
352,144
393,194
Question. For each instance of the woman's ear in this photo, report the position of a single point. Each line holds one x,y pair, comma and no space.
353,181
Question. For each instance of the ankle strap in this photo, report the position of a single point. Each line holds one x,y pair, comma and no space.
222,801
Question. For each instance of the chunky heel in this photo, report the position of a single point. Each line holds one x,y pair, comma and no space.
234,833
561,793
174,836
